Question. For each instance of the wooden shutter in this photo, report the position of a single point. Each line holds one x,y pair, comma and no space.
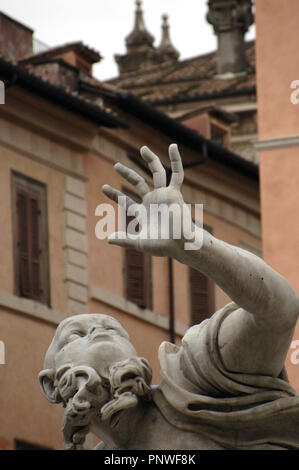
218,135
199,296
137,268
136,277
135,272
29,252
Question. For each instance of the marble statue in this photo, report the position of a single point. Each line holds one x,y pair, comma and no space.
225,387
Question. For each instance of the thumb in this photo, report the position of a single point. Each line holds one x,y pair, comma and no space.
124,240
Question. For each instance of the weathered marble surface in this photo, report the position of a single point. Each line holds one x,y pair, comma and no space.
224,388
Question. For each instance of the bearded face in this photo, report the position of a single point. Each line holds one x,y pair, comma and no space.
93,370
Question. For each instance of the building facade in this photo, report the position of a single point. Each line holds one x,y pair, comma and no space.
61,132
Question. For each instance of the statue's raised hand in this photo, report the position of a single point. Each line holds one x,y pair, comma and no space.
162,235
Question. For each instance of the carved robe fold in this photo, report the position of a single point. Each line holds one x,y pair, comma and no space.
237,411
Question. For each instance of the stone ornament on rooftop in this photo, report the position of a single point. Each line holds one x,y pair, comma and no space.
231,19
140,35
225,15
141,52
166,49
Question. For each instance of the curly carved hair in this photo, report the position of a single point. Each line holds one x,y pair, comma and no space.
85,395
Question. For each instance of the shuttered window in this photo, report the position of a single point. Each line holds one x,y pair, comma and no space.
31,241
136,282
201,295
28,214
218,135
137,271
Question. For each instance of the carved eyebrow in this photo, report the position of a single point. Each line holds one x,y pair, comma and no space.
109,325
113,326
72,326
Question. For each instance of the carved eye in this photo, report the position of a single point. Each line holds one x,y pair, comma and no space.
75,335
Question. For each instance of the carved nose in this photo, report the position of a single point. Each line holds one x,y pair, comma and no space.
96,330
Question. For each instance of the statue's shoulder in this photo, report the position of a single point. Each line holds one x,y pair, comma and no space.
212,322
198,336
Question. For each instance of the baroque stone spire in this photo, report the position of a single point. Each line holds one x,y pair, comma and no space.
140,36
139,43
166,49
231,19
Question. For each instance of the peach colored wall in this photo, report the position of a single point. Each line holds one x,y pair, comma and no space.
25,413
201,124
277,67
69,57
102,256
54,180
26,340
160,282
279,200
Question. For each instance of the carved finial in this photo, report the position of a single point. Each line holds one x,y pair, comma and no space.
166,48
231,20
165,28
139,21
139,43
139,35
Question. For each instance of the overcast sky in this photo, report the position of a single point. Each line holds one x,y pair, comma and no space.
104,24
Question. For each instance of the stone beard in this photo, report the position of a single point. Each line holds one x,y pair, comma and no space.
83,393
87,395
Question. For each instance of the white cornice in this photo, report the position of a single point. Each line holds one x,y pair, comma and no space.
278,142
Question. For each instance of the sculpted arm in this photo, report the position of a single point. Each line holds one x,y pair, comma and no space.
255,338
248,281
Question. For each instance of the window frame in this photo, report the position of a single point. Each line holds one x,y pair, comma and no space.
147,264
210,291
215,127
26,184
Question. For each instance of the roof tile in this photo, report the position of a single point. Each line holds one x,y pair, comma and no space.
186,78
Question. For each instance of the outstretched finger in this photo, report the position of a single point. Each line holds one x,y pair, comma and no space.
132,177
123,240
177,177
156,167
117,196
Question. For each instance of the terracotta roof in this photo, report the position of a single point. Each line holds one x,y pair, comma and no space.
90,54
213,110
187,79
14,74
157,119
